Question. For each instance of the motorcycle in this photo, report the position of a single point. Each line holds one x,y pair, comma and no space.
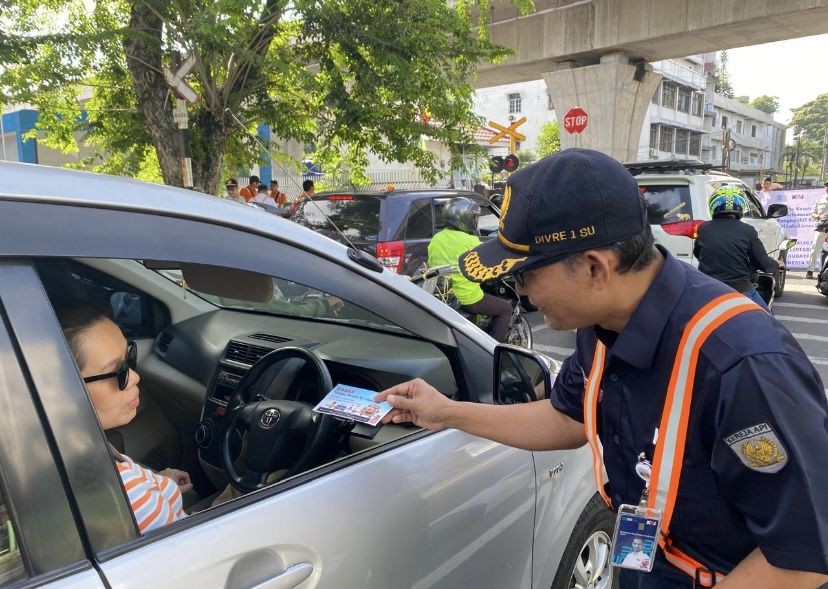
766,283
437,282
822,277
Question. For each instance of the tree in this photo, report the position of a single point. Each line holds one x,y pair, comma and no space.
812,118
722,78
765,103
549,140
351,76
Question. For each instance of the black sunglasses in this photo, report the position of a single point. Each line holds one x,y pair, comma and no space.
122,374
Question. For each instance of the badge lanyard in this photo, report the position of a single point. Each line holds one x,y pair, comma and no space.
635,540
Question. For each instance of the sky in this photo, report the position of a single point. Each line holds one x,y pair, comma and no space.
793,70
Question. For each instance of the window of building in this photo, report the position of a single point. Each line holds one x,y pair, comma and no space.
668,94
738,126
683,104
754,159
753,130
682,140
697,108
724,122
515,106
695,145
736,156
657,95
653,135
665,142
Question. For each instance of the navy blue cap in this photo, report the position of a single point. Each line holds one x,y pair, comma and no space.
573,201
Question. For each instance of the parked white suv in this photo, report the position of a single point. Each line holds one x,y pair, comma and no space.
677,192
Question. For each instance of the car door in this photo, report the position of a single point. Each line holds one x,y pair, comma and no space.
770,233
40,542
429,510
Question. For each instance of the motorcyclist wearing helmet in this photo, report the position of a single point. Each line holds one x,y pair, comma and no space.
728,249
459,236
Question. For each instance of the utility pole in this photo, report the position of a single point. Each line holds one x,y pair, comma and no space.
824,154
796,164
726,150
2,132
185,94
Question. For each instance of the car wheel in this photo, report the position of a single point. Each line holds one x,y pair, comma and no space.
779,287
586,561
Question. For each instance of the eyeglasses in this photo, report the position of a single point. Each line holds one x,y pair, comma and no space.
129,362
520,275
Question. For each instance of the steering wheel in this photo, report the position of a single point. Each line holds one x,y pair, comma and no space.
281,434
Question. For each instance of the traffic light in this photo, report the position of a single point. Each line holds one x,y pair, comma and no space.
496,164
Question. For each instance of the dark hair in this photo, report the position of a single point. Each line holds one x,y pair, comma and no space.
826,184
255,179
634,253
767,179
261,188
307,185
274,183
75,318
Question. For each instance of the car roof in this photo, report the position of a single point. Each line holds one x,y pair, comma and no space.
47,184
402,194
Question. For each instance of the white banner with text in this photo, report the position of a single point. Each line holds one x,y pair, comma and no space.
798,223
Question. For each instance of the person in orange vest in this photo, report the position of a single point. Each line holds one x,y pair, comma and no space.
308,190
279,197
249,192
706,414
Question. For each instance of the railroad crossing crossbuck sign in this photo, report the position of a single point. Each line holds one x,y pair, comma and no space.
511,132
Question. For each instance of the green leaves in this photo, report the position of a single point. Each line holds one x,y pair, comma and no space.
351,76
812,118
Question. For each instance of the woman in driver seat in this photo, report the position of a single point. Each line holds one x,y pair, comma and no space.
106,361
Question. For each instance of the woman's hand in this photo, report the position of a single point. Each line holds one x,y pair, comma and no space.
179,477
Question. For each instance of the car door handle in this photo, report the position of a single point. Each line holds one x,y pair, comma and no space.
288,579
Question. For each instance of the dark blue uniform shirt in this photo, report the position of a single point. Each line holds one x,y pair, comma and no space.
753,382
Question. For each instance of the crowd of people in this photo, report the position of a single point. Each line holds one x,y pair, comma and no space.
257,192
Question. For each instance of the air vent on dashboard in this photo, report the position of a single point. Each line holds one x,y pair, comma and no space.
164,341
244,353
270,338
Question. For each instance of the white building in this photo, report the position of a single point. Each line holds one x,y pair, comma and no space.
505,104
757,141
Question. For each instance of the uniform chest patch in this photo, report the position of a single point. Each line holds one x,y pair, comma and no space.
759,448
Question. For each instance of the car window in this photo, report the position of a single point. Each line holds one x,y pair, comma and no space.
755,210
136,313
488,222
667,203
12,567
357,216
420,223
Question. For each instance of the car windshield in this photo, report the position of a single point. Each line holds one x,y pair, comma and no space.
667,203
357,216
277,296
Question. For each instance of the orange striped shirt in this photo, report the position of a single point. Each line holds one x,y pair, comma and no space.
155,499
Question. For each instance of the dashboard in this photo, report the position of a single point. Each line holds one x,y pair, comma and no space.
218,348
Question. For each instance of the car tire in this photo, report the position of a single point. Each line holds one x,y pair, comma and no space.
779,287
586,560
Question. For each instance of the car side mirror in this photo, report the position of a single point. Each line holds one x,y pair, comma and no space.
521,375
497,199
775,211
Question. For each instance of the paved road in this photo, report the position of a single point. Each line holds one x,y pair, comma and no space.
802,310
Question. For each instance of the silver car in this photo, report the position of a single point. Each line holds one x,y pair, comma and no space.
240,317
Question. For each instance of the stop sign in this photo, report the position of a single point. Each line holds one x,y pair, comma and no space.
575,120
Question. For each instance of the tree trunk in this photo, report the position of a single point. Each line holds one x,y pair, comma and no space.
207,168
142,45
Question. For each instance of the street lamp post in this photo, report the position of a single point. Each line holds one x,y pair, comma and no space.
798,154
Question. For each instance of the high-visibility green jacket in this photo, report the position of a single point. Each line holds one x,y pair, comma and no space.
445,248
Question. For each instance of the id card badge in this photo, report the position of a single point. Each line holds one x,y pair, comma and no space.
635,540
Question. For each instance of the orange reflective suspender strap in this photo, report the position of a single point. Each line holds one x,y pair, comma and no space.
591,394
669,453
675,417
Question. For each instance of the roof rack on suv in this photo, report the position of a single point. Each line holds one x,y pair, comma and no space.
669,167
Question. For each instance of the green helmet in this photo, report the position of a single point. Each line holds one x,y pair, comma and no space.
728,200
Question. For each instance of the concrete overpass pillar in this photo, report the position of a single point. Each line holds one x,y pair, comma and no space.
614,94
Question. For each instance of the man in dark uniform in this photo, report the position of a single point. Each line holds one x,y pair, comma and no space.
751,498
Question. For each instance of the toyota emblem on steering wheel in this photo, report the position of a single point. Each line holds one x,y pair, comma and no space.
269,418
